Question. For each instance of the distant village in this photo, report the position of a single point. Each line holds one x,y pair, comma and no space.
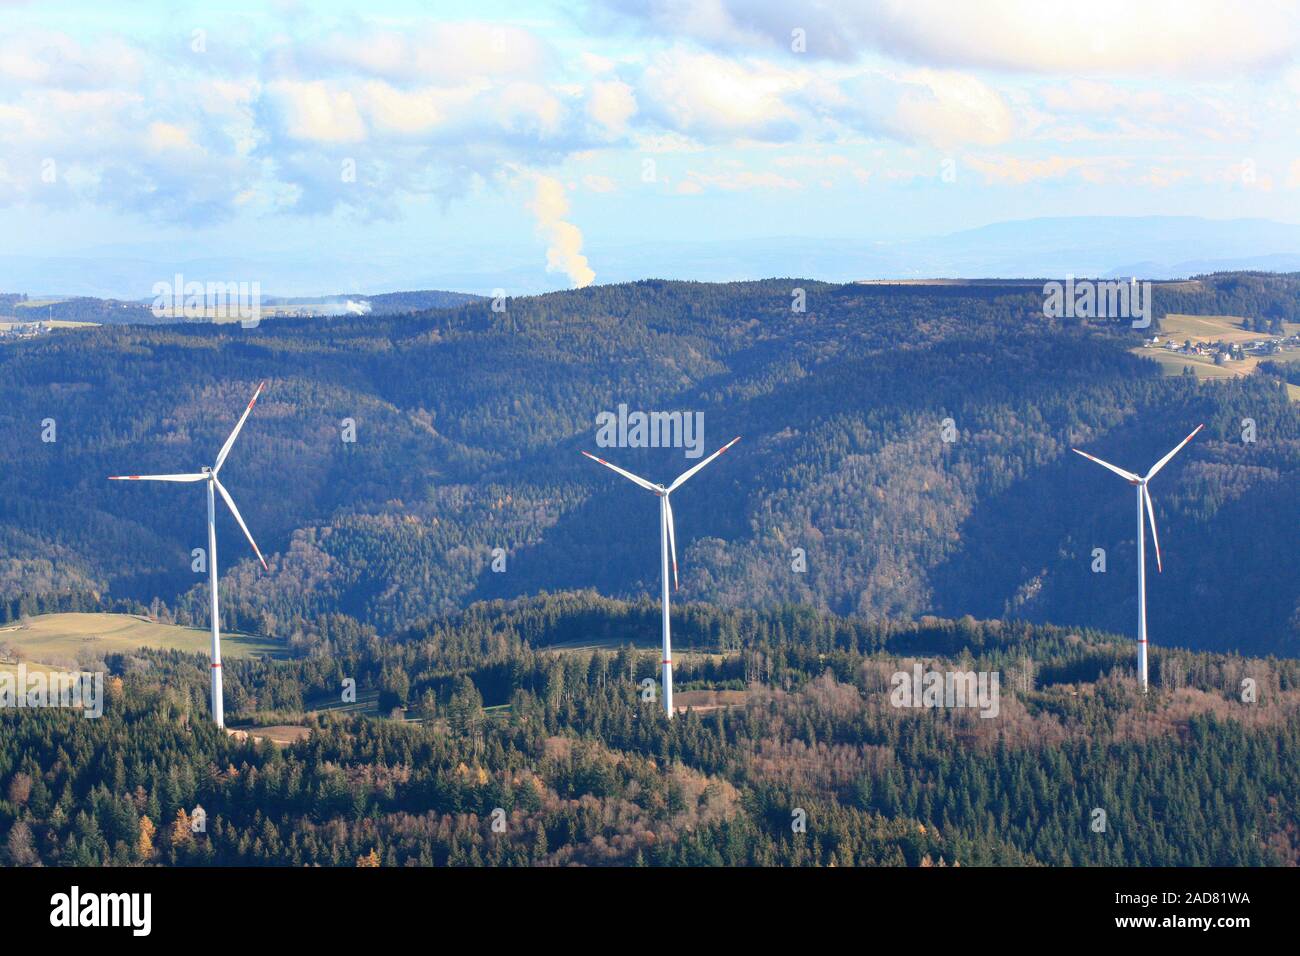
24,330
1224,352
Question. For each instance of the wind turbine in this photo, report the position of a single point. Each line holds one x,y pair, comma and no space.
1143,504
209,475
667,546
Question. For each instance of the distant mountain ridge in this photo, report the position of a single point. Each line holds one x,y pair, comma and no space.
1152,247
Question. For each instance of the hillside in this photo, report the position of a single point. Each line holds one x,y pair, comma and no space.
468,424
799,723
69,639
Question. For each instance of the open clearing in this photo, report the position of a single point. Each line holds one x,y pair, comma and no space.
583,646
276,733
1212,328
703,701
60,638
8,326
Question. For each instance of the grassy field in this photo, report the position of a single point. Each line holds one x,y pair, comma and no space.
58,639
1211,328
37,303
56,324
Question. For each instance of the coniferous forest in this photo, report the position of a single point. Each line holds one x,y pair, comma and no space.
489,719
464,611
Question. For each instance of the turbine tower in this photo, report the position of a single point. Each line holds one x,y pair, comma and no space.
667,547
1143,504
209,475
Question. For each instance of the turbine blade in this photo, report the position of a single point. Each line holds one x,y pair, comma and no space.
1164,461
1126,475
1151,513
672,537
626,474
156,477
225,449
238,517
681,479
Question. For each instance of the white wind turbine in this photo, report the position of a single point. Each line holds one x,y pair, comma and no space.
1143,504
667,547
209,475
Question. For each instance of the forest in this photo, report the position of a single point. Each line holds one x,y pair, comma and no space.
497,742
911,443
903,497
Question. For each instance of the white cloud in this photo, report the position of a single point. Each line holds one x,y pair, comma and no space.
168,137
529,108
316,112
437,110
451,53
414,112
946,108
55,60
934,107
711,97
611,104
1194,38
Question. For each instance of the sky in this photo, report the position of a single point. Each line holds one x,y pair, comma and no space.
545,136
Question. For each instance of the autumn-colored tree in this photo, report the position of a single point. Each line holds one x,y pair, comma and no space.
370,859
20,788
145,845
181,833
20,845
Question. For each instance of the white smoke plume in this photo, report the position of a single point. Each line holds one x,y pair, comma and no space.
563,239
349,307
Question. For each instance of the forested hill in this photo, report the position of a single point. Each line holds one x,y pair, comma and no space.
468,423
397,302
787,716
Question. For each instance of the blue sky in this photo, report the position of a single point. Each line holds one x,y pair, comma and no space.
548,132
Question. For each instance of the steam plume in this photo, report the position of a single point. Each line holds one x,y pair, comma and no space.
563,239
